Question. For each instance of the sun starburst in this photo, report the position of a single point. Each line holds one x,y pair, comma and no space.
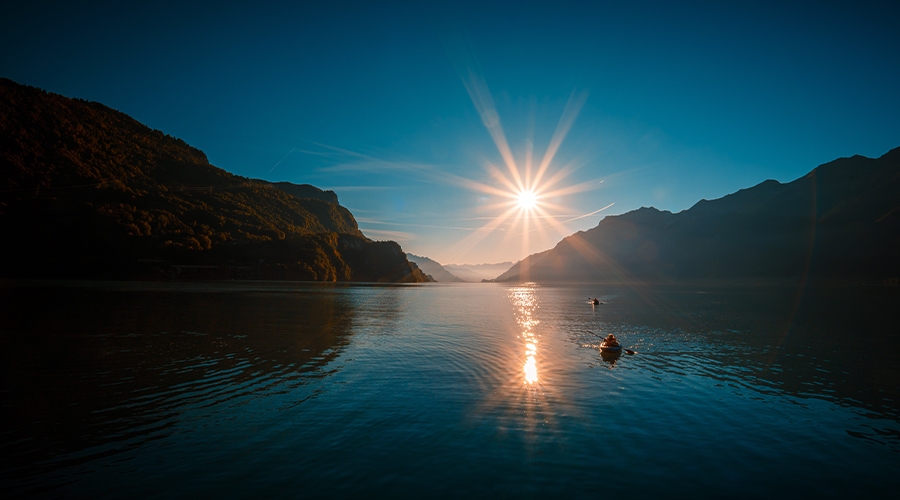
524,193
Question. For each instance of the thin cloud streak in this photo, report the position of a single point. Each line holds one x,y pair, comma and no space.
344,151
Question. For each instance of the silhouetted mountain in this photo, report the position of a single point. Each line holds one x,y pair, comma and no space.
87,191
304,191
432,269
838,224
478,272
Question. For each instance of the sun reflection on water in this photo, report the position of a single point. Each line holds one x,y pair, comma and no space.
523,299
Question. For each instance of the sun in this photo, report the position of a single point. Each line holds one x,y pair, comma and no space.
525,196
527,199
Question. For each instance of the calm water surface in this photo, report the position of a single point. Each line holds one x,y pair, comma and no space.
307,390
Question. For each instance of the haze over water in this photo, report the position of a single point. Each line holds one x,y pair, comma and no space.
311,390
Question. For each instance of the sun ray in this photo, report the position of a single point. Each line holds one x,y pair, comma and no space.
529,141
575,188
495,206
539,228
555,225
525,237
484,104
547,205
511,234
497,174
559,176
525,195
473,185
466,244
570,113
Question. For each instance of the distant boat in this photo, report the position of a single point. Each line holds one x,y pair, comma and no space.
596,302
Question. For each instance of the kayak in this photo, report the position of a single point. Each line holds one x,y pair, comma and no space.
610,349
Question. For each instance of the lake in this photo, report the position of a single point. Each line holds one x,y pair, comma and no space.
306,390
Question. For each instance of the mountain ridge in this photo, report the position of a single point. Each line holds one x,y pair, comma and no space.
433,269
87,191
479,272
840,223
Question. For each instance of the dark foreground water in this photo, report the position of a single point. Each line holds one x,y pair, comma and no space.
123,390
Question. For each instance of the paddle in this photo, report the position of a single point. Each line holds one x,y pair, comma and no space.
627,351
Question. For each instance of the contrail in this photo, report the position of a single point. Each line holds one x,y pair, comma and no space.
588,215
281,160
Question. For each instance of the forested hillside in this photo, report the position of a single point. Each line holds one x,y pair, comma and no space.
87,191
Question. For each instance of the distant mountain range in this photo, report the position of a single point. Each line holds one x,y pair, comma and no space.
475,273
88,192
478,272
838,224
433,269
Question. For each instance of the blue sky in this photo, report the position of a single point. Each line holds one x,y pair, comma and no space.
389,104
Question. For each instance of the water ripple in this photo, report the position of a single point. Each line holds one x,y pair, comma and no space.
340,391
